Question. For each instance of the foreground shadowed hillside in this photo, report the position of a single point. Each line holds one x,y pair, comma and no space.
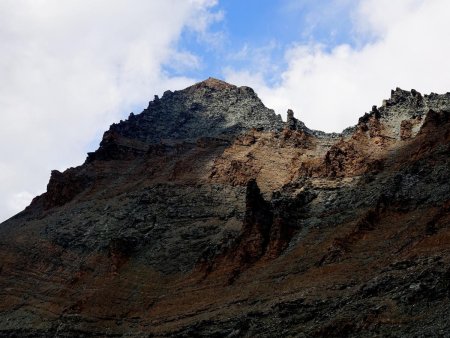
207,215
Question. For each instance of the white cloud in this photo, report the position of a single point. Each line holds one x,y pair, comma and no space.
329,90
70,68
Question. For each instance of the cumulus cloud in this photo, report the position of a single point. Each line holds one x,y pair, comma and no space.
329,88
70,68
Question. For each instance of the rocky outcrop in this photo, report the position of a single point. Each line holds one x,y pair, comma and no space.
63,187
207,215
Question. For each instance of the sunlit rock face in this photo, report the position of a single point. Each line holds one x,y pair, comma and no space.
207,215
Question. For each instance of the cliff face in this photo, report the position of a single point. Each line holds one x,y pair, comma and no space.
207,215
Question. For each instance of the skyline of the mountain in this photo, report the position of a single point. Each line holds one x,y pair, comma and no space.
70,69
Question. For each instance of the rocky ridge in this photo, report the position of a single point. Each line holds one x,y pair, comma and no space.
207,215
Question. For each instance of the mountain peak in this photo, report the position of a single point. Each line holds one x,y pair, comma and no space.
210,108
212,83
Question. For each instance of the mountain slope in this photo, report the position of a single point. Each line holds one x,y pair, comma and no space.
207,215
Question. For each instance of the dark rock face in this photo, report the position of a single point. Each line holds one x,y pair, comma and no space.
257,226
206,215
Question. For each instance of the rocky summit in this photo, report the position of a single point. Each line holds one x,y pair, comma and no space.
207,215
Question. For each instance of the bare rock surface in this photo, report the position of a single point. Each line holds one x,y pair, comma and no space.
207,215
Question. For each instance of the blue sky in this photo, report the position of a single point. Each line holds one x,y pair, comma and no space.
251,28
71,68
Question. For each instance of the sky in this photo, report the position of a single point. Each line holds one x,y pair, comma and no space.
70,68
